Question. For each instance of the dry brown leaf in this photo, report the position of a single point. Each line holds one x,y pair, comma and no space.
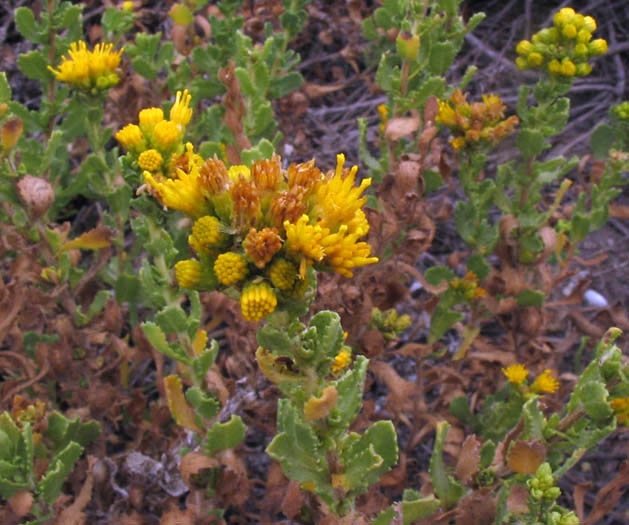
21,503
74,515
313,90
95,239
578,494
193,462
524,457
479,506
293,500
468,460
608,496
402,393
399,127
516,502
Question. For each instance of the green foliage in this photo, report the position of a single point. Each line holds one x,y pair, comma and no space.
222,436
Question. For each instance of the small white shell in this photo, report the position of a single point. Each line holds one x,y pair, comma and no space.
593,298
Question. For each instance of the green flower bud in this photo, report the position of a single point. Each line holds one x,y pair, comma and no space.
552,493
569,518
581,51
407,46
521,62
583,69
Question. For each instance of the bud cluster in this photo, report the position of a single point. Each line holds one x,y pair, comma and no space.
468,287
475,123
564,49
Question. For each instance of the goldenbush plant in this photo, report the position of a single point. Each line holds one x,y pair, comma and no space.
207,315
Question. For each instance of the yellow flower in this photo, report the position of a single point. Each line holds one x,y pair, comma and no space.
343,253
182,192
337,199
447,115
188,273
236,172
230,267
342,360
305,239
515,374
545,383
181,113
620,405
127,6
89,69
257,301
150,160
283,274
149,118
166,135
206,234
131,138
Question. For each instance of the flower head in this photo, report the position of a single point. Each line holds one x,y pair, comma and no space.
545,383
342,360
515,374
150,160
206,235
89,70
181,113
257,301
131,138
182,192
620,406
149,118
283,274
230,267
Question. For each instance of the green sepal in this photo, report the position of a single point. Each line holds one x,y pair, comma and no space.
369,456
222,436
448,489
49,487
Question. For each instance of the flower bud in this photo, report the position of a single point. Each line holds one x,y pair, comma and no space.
589,23
407,46
181,15
581,51
568,69
564,16
569,31
598,47
535,59
584,36
583,69
37,194
524,47
10,133
522,63
3,108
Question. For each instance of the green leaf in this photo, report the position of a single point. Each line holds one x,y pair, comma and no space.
530,297
93,310
156,337
487,452
369,29
261,78
432,181
49,487
534,420
284,85
350,394
34,65
204,404
329,333
416,509
128,288
441,321
593,396
601,141
5,88
477,264
445,486
441,57
172,320
148,44
437,274
222,436
370,456
298,449
530,142
275,341
203,362
144,68
460,409
25,23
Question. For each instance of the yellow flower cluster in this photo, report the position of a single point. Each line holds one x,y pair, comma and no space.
468,287
564,49
91,71
256,230
476,123
342,360
545,383
156,144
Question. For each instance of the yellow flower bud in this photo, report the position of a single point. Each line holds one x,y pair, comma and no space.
206,234
131,138
568,69
554,67
578,21
127,7
166,135
564,16
257,301
149,118
535,59
236,172
581,51
188,273
569,31
598,47
407,46
584,36
283,274
583,69
150,160
589,23
524,47
10,133
230,267
522,63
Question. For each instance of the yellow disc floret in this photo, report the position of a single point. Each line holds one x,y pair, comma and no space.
150,160
230,267
188,273
516,374
283,274
257,301
342,360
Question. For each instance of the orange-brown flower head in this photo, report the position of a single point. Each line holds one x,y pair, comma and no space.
262,245
246,199
288,206
213,176
304,174
266,174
